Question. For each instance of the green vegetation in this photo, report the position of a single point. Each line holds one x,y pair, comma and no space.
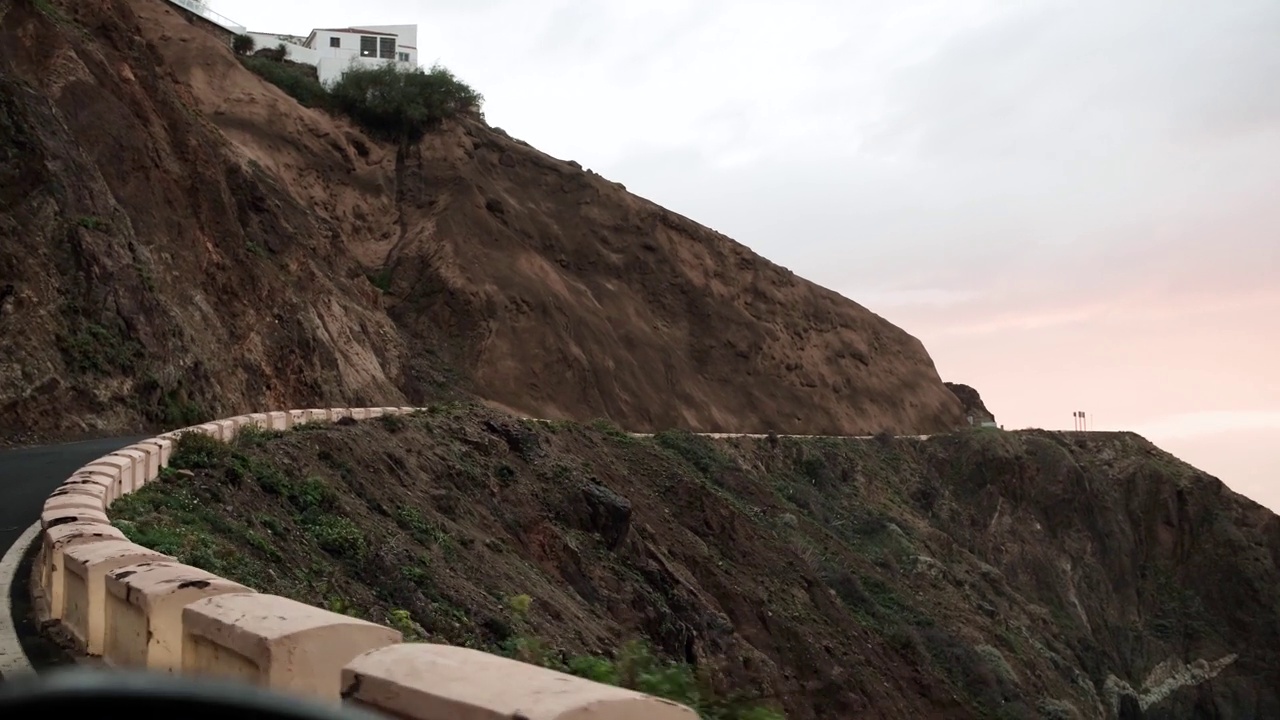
700,452
242,44
553,543
390,102
169,404
48,10
610,430
1180,615
185,513
180,517
381,279
90,222
298,81
93,348
401,105
636,667
391,423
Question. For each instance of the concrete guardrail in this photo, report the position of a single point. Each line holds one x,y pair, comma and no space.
137,608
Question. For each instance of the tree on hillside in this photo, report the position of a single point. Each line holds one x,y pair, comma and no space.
242,44
402,105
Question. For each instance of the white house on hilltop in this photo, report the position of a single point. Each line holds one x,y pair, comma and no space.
334,50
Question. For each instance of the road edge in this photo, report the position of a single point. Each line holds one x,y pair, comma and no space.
13,658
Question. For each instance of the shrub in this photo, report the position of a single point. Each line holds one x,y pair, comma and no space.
698,451
197,451
93,348
335,535
519,605
636,667
401,105
253,435
242,44
298,81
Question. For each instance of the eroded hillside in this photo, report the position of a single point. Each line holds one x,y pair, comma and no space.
977,574
182,240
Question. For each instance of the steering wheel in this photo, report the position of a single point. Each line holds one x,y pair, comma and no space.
110,694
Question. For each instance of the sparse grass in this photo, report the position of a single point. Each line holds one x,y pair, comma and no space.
92,348
145,275
610,429
175,520
380,279
422,530
1052,709
636,667
335,535
700,452
256,435
97,224
995,660
47,9
169,406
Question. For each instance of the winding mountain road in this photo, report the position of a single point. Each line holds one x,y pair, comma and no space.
27,476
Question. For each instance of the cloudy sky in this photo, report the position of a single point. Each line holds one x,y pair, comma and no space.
1073,204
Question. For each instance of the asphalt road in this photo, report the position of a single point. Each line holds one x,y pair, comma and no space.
28,475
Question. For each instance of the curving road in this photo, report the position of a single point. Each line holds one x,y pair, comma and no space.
27,476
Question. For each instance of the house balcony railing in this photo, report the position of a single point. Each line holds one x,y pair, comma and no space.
202,9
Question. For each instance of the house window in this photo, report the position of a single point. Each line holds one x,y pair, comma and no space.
368,46
335,42
387,49
404,57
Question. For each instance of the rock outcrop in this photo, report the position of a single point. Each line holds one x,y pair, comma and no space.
976,413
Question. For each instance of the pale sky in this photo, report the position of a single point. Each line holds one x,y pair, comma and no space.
1074,205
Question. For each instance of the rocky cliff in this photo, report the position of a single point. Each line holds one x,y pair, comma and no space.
972,403
182,240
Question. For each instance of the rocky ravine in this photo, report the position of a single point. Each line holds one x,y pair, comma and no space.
978,574
182,240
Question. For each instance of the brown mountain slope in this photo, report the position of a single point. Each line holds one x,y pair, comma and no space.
188,241
978,574
972,403
152,272
584,299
